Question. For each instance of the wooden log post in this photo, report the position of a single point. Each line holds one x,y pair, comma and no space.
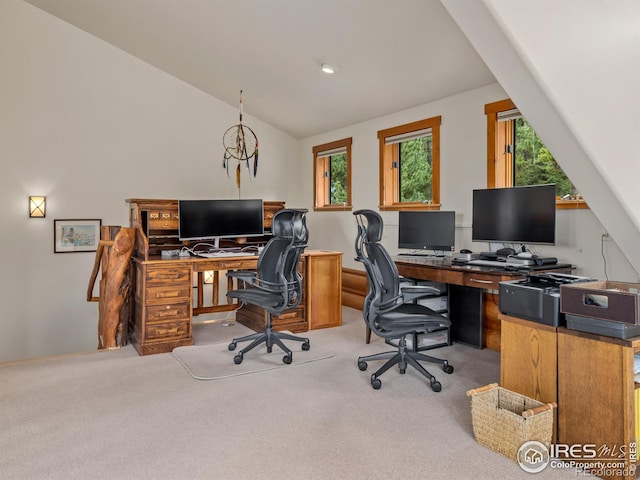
114,255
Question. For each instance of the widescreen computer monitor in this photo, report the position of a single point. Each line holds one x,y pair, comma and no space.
213,219
525,215
427,230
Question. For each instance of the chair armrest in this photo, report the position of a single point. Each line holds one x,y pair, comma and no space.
414,292
247,276
241,274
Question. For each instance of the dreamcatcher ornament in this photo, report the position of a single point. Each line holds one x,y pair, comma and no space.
240,144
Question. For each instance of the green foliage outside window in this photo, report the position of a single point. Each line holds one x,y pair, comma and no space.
338,179
534,163
416,170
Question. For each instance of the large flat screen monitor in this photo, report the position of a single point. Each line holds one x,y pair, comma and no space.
212,219
429,230
515,215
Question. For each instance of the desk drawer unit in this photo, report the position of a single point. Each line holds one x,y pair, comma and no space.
480,280
167,330
255,318
162,313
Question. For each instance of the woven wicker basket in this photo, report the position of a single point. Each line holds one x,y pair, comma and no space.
503,420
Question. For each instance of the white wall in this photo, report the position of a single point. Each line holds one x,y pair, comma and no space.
463,168
573,68
89,126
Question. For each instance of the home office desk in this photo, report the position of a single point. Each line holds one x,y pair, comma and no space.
473,321
164,304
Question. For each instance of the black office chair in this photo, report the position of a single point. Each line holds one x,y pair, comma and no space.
388,310
276,285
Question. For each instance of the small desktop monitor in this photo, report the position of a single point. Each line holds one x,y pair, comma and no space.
213,219
427,230
515,215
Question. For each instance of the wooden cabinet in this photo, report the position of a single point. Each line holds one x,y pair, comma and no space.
323,290
156,224
529,359
161,307
596,393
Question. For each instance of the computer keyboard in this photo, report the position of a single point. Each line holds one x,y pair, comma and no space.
224,254
495,263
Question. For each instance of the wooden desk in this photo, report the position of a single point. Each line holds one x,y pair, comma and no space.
596,393
163,301
529,360
474,321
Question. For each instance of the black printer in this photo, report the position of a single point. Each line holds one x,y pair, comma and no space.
536,297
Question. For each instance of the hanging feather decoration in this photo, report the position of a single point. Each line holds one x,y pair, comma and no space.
255,160
241,144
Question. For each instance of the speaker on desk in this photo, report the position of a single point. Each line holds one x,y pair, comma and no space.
546,260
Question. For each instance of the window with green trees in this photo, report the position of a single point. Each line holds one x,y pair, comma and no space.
534,164
338,179
416,173
518,157
332,175
410,166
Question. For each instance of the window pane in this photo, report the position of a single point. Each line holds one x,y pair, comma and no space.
415,163
338,179
534,164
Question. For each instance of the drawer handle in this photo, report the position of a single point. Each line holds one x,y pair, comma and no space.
168,295
169,276
475,280
166,331
168,313
230,265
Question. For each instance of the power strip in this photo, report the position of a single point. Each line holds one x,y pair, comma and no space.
174,253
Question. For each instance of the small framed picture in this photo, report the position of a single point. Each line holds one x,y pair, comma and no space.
76,235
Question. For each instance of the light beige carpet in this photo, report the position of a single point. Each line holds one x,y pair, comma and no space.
214,362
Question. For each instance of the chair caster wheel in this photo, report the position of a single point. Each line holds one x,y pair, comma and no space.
305,345
435,386
403,370
362,366
232,346
237,359
375,382
446,368
269,349
288,358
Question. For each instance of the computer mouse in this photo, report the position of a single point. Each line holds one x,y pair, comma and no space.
464,250
525,255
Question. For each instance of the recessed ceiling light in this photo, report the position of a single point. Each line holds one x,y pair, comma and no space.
326,68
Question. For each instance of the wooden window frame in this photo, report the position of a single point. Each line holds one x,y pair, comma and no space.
500,161
390,176
321,186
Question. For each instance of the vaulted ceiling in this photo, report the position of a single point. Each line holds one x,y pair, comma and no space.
389,55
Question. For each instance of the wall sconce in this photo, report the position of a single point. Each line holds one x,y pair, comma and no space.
37,207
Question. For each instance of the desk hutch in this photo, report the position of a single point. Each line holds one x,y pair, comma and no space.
163,302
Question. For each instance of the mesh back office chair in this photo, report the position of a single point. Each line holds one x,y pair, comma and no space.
276,285
385,309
